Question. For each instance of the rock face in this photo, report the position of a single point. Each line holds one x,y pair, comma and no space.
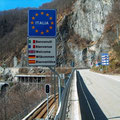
88,20
89,17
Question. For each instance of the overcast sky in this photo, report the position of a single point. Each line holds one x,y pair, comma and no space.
11,4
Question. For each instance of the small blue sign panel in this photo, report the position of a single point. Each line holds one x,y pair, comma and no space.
99,63
105,59
42,23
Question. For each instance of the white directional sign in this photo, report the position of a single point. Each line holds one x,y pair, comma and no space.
41,51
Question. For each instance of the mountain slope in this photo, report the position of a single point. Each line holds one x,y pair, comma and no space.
13,29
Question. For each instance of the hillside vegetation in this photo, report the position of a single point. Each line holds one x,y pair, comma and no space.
13,29
12,33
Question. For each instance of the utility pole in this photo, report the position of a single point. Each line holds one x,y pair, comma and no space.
63,46
117,26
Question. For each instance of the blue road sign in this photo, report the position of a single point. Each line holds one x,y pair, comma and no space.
42,23
105,59
99,63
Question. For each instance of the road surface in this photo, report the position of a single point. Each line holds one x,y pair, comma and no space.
106,91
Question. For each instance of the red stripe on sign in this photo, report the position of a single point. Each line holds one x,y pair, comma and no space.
32,61
33,46
33,41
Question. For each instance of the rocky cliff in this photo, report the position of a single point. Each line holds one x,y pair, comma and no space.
83,30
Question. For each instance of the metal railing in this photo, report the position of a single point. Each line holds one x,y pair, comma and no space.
61,113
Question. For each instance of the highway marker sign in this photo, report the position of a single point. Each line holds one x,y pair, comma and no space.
42,23
105,59
41,52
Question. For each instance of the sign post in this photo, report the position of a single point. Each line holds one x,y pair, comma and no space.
42,39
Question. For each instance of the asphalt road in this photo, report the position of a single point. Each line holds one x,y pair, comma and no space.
101,95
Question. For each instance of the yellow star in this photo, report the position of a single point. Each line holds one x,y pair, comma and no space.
51,18
42,33
36,14
50,27
52,23
32,22
42,13
33,27
47,14
33,18
47,31
36,30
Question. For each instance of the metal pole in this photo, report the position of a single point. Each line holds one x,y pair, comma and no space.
47,107
54,86
59,83
117,32
38,83
59,90
106,68
63,53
